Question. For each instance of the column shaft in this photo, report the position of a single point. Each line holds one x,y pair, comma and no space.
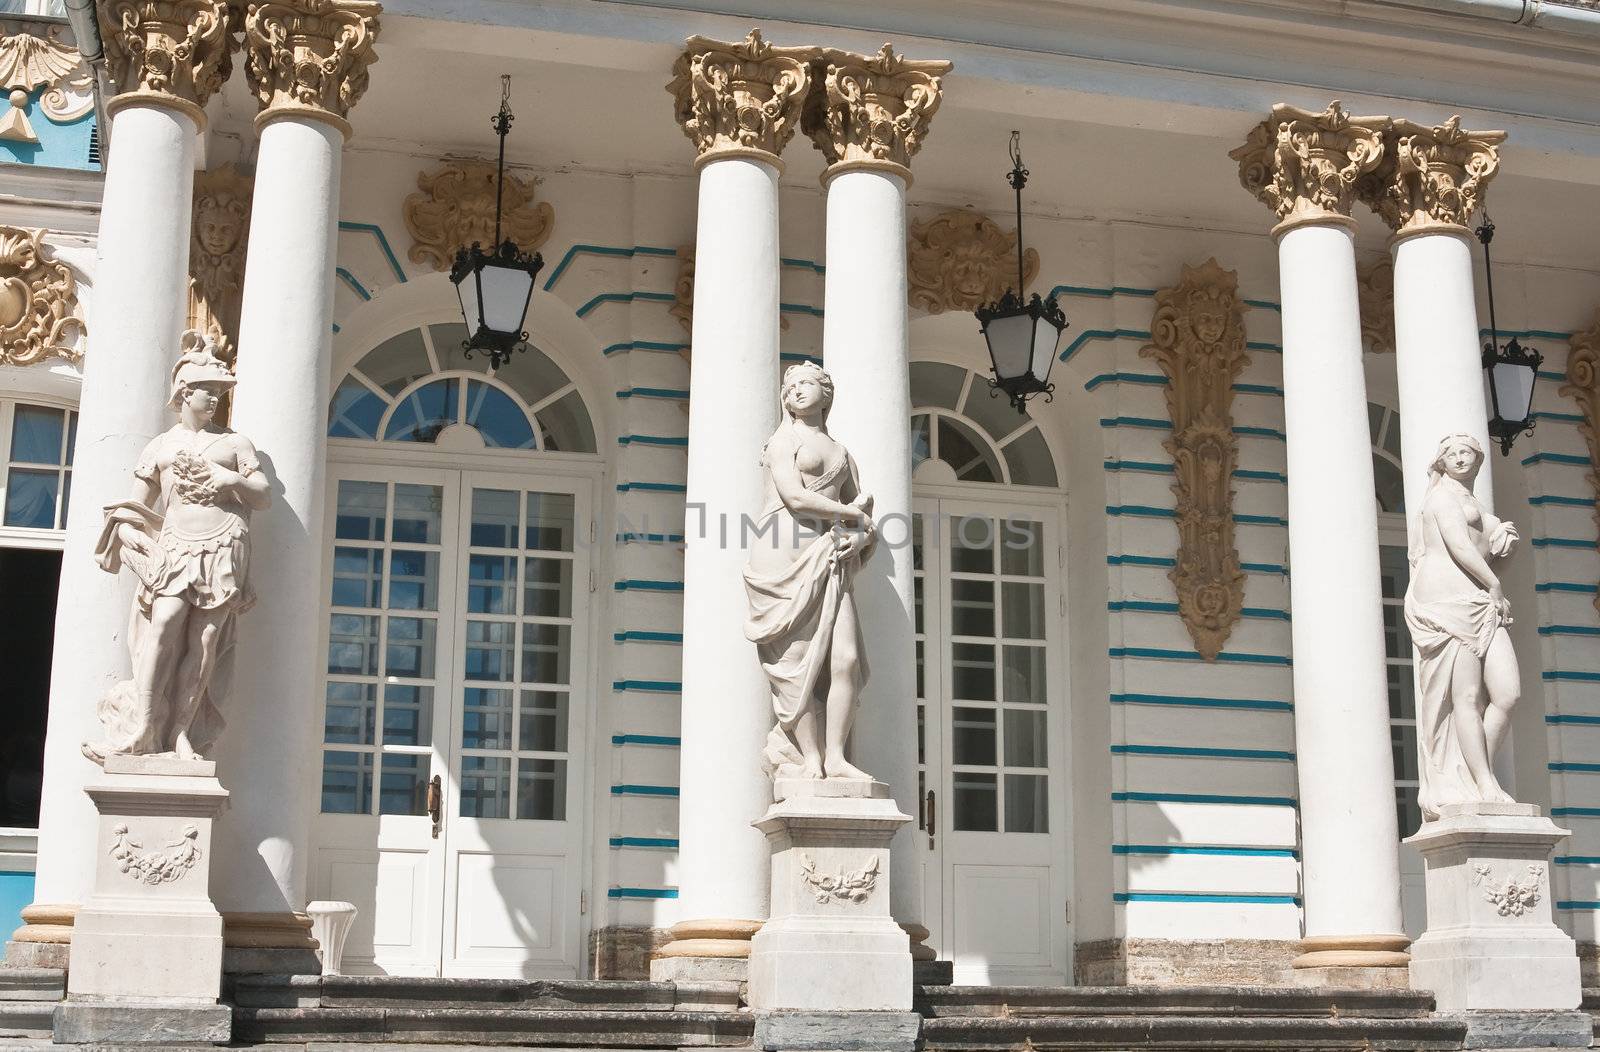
136,315
1438,356
733,381
1349,840
269,755
865,350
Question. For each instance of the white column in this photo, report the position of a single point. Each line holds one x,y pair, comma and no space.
269,757
1349,860
1438,355
865,340
733,378
138,310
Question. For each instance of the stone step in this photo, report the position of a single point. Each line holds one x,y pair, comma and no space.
1188,1033
539,1027
1228,1001
32,984
362,991
26,1018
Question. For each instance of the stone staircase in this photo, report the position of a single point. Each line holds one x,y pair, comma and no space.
28,999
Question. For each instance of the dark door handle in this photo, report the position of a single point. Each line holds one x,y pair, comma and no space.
930,808
436,804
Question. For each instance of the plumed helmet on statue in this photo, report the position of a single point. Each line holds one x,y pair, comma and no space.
197,363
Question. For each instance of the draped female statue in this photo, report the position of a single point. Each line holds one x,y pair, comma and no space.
1466,669
192,560
814,531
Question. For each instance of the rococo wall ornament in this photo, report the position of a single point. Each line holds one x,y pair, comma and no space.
1583,386
29,62
1375,287
38,302
455,207
960,260
1198,339
218,235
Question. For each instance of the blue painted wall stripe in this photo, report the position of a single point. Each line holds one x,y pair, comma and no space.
1202,703
641,893
602,250
1201,849
636,635
649,686
653,440
1552,674
1145,511
1562,542
1574,720
623,297
652,487
383,245
1193,751
644,345
644,790
350,280
1202,798
1143,606
1569,630
1226,657
1575,768
1198,897
1566,586
1555,458
646,739
637,585
670,843
669,393
1561,502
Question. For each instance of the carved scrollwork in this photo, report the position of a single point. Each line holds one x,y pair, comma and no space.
961,260
217,239
1432,176
683,289
854,886
28,62
1583,387
310,55
875,110
1304,165
743,95
180,49
1198,338
172,862
38,301
1510,897
455,206
1375,289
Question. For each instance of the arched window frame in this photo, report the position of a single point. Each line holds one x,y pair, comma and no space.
974,385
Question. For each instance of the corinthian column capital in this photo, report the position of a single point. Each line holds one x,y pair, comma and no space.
174,53
873,112
1432,177
309,58
740,99
1304,165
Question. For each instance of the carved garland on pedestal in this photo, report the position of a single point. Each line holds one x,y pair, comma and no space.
1375,288
218,236
1510,897
841,886
28,62
961,260
1583,385
173,862
455,207
1199,341
38,301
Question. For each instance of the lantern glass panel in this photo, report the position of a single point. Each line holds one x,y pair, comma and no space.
1513,390
505,297
467,290
1045,338
1010,344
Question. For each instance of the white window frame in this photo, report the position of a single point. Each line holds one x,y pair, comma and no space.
30,537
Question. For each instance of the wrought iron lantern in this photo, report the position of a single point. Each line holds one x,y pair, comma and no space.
1022,333
496,284
1510,370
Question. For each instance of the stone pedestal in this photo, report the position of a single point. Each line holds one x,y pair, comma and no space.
149,940
832,944
1491,943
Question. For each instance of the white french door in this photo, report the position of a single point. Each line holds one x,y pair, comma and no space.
454,731
992,702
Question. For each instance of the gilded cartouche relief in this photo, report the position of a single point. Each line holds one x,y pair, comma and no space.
961,260
1198,339
455,207
39,315
29,62
1583,386
218,235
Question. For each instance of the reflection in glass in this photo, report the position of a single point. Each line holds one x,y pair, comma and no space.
422,414
1023,613
972,732
550,519
354,411
542,789
410,647
31,498
1026,744
976,808
545,651
397,363
972,671
357,577
413,580
972,540
485,787
353,645
36,435
1022,548
1023,676
564,427
346,783
1027,804
351,714
494,518
491,582
417,513
500,421
972,608
360,514
970,456
547,588
543,726
403,785
1028,457
407,714
485,718
491,649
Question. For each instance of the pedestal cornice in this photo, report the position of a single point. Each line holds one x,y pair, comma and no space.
740,98
872,112
308,59
1304,166
1432,177
169,53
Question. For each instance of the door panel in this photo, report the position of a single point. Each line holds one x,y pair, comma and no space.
994,712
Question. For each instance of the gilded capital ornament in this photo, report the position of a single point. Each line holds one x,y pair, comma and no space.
1375,289
739,97
310,57
219,233
960,260
1198,338
1583,387
875,111
455,207
38,302
1304,166
178,52
28,62
1432,177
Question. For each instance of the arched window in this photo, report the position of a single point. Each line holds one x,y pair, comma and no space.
1384,425
980,439
418,385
